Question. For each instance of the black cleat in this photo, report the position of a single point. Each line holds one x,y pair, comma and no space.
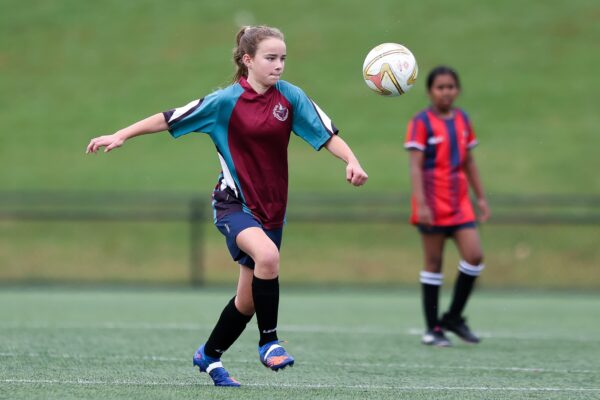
459,327
435,337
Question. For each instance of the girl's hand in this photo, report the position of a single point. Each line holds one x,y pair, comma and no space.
484,210
355,174
424,215
109,141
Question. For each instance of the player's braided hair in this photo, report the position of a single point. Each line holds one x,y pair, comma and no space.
247,40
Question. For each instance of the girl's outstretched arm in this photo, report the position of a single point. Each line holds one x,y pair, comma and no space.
155,123
473,177
354,172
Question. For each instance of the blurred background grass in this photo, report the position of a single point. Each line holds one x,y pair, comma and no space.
328,253
71,70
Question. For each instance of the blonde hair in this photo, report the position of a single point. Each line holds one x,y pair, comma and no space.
247,40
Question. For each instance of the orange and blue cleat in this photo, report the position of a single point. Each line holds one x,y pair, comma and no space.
273,356
214,368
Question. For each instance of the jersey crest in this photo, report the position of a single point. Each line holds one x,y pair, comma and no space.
280,112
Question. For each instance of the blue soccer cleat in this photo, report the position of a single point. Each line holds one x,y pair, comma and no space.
273,356
214,368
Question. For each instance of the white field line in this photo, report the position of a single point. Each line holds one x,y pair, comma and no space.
299,386
337,364
91,357
333,329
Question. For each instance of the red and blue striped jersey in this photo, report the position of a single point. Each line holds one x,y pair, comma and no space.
445,143
251,132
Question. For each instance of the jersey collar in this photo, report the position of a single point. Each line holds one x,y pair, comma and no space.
244,83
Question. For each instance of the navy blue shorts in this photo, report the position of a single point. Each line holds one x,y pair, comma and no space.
445,230
232,224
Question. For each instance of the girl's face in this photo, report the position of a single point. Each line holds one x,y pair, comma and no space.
267,65
443,91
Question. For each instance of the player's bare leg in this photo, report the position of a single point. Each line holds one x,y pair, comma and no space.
243,298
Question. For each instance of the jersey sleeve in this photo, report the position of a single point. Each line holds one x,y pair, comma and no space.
471,138
308,120
197,116
416,135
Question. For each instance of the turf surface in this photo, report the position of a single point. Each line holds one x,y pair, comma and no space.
62,343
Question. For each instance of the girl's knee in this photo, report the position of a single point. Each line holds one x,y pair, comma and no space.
474,259
267,262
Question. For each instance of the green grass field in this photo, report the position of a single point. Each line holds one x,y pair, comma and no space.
66,343
71,70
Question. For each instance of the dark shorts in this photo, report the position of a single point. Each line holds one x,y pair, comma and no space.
444,230
232,224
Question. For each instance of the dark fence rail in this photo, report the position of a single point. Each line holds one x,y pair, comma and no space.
150,206
555,209
506,209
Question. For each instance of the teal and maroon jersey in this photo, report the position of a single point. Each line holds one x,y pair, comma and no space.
445,143
251,132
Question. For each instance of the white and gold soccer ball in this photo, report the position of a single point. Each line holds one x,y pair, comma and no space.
390,69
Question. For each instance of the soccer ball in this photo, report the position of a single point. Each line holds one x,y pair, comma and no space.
390,69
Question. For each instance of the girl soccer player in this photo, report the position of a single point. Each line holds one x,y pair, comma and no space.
440,139
250,123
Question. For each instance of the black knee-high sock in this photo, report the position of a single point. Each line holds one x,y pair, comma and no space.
463,287
462,290
265,293
430,304
230,326
430,288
